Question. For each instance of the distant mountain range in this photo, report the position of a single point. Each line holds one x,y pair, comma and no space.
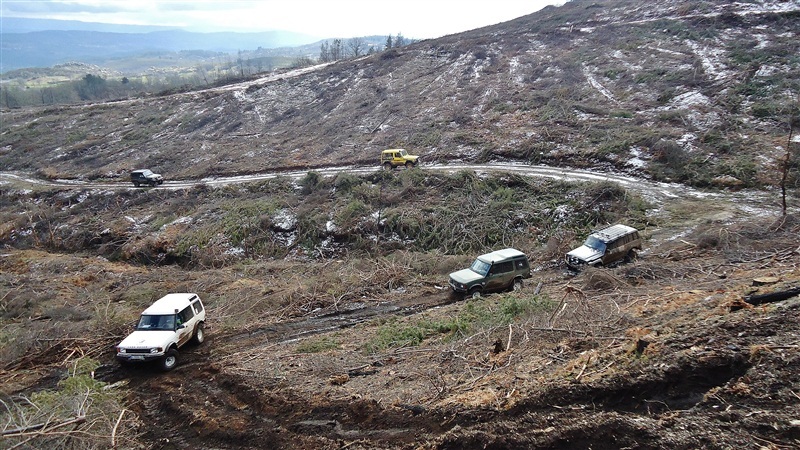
44,43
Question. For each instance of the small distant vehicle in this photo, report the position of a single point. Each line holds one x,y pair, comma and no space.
605,247
165,326
146,176
492,272
397,157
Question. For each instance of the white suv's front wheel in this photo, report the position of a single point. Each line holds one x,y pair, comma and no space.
169,361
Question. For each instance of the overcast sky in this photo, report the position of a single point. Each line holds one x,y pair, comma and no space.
419,19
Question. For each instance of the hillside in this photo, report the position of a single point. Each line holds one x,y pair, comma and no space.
325,278
693,89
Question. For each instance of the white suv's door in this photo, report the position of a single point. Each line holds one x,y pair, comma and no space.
186,318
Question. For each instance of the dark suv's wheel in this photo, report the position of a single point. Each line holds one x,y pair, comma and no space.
475,293
169,361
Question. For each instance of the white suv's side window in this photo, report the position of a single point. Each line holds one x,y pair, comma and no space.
186,315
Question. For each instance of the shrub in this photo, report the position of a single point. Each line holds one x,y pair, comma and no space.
318,345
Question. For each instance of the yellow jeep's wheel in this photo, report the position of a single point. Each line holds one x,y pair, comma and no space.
387,166
409,165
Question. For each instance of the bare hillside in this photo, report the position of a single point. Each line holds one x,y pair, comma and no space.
687,91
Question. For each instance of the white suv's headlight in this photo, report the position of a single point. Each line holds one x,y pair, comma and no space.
120,350
155,350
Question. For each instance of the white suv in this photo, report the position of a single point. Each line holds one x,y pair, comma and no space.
166,325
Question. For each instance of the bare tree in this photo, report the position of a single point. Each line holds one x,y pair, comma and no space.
356,47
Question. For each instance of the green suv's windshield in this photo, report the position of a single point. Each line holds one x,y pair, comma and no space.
157,322
480,267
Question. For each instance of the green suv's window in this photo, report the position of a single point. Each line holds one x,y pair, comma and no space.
503,267
480,267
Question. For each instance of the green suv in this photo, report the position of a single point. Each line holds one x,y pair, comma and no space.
492,272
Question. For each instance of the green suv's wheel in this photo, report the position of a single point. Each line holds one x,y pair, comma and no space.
475,293
199,335
517,284
169,361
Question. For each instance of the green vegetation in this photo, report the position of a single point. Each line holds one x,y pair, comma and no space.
462,213
476,315
318,345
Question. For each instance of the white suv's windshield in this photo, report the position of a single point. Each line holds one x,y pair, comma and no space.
480,267
596,244
157,322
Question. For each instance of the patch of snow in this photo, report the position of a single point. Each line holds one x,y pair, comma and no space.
765,71
284,220
234,251
637,160
596,84
690,99
710,58
331,227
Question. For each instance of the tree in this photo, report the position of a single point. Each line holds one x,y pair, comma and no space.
399,41
325,52
389,42
356,46
337,52
92,87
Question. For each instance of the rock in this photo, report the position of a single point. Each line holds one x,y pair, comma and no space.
761,281
727,181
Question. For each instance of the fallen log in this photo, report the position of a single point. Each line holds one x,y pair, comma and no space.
772,296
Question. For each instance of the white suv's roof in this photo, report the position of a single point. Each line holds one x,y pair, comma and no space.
499,255
169,303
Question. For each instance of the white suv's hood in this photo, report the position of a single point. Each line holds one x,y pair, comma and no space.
586,254
147,339
465,276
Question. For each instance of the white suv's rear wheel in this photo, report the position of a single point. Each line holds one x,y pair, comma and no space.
199,334
169,361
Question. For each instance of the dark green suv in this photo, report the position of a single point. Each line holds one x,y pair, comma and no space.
492,272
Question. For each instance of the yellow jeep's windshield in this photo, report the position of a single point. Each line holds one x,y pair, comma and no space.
401,153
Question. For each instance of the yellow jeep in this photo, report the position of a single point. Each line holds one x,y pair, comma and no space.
397,157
